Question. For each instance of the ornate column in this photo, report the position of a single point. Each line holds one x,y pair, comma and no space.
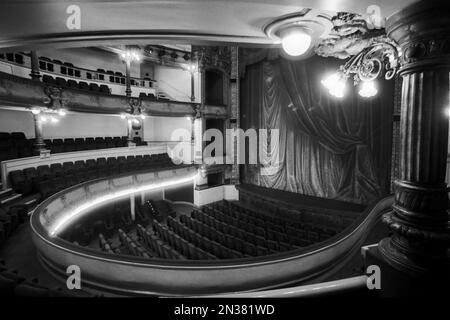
192,85
127,77
39,144
35,73
234,109
420,223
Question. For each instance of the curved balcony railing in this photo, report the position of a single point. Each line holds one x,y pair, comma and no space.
125,275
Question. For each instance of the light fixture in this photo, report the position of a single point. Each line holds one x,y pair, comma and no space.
59,224
368,89
377,59
142,116
35,111
48,114
130,55
295,41
188,118
191,67
298,32
336,84
123,116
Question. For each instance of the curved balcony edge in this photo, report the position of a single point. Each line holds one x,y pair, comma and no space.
127,275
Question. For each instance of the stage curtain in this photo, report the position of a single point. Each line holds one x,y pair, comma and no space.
328,147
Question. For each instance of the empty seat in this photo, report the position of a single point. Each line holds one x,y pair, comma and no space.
72,84
94,87
68,168
61,82
56,170
43,172
104,89
48,79
46,188
100,142
83,85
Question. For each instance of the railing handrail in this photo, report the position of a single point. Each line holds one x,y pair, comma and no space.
310,290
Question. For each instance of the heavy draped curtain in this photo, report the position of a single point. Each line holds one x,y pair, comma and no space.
328,147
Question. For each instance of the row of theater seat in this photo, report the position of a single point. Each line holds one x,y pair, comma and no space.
268,233
10,219
67,68
84,233
236,238
12,57
15,145
308,219
315,227
89,143
105,245
72,84
47,180
157,246
296,233
134,248
239,246
297,213
185,247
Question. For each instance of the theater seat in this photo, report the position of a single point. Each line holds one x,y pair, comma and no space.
57,170
83,85
105,89
48,79
68,168
94,87
61,82
43,172
45,188
100,143
72,84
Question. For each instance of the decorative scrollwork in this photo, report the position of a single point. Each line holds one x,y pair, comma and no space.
372,61
54,98
135,106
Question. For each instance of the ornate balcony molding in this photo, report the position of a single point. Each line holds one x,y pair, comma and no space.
20,92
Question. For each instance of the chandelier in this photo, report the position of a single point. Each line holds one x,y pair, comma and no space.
378,58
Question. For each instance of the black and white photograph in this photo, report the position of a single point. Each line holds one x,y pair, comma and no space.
198,152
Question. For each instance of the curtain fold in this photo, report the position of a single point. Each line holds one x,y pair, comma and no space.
328,147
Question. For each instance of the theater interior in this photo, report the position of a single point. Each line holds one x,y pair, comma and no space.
233,148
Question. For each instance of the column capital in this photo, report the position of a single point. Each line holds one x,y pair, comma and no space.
422,30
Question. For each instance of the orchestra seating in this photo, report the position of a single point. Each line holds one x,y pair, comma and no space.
47,180
222,230
15,145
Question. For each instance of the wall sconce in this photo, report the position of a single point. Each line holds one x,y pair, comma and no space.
47,115
365,67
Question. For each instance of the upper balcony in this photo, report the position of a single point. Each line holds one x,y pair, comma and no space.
65,74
